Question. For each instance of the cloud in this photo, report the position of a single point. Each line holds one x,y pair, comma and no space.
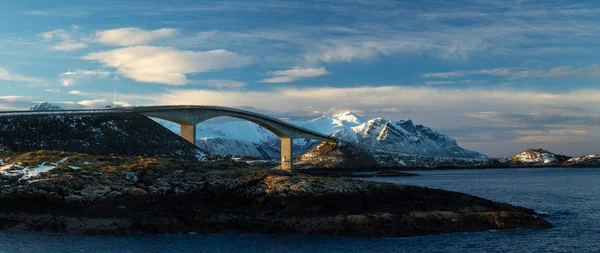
64,40
537,119
367,98
11,98
166,65
70,78
439,82
132,36
68,46
294,74
100,103
221,83
74,92
97,103
444,74
592,71
493,72
13,102
10,76
52,90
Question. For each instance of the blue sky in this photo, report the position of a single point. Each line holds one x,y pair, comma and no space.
499,76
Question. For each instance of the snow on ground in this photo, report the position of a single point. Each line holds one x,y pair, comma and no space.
29,173
583,158
36,172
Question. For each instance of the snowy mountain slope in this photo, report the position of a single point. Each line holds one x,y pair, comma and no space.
328,124
404,137
377,135
221,146
584,161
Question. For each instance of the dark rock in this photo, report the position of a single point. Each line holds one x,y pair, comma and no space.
99,134
339,156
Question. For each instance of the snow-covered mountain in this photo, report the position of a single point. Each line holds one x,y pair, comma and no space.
381,135
537,157
403,136
45,106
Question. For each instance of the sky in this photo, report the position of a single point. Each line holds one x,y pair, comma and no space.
498,76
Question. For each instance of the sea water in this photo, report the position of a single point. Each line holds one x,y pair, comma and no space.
570,196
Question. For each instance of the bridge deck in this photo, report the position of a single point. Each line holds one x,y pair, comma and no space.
145,109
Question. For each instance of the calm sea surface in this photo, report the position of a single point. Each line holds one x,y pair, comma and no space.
570,196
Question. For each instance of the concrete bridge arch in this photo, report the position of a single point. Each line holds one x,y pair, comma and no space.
189,116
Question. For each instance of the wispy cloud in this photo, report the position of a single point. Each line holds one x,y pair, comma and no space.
220,83
439,82
10,76
294,74
64,40
72,77
592,71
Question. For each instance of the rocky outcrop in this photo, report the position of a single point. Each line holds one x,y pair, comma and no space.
342,156
92,194
348,156
537,158
101,134
592,160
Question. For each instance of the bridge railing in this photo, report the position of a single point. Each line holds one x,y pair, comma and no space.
54,112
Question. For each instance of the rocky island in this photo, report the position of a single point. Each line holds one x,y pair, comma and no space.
74,192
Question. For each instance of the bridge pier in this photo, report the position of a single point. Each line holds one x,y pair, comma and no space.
188,132
287,157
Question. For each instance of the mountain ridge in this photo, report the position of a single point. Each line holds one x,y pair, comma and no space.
379,134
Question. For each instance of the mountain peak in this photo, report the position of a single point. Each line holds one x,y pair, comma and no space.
45,106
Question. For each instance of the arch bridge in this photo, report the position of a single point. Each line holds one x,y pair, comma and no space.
187,116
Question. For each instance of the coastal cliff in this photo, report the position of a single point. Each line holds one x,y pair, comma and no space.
72,192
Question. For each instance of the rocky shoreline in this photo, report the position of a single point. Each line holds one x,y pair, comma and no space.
79,193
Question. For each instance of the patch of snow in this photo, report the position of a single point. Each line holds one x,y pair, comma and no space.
36,171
